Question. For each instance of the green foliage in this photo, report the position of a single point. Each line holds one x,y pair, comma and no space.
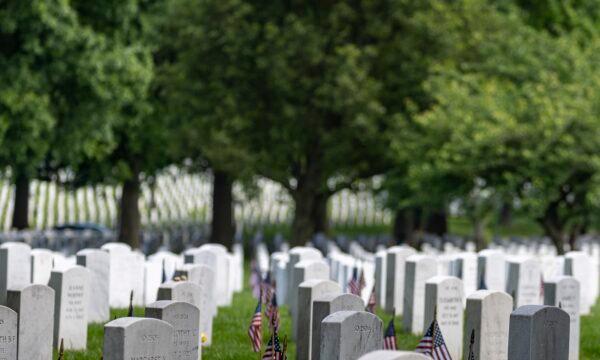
210,114
512,114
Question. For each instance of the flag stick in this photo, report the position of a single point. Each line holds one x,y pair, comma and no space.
284,347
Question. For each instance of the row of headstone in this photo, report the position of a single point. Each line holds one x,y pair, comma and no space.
520,276
75,291
313,287
531,332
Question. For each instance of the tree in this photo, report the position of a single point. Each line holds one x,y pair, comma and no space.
210,94
287,87
61,88
320,119
518,123
141,132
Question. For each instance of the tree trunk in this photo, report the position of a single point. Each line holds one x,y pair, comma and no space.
553,226
20,218
223,223
556,235
505,218
402,225
303,226
319,213
437,222
407,222
479,233
573,234
129,214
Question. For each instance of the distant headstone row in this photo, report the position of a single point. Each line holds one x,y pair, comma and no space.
486,305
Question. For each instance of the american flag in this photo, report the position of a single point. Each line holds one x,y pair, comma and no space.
255,329
433,343
361,282
272,312
389,339
353,286
372,301
273,350
255,279
267,288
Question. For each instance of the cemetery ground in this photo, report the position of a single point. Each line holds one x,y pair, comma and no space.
230,337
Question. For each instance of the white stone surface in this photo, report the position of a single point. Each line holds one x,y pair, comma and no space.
71,289
98,264
444,297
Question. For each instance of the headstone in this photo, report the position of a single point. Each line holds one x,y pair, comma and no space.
223,269
214,260
326,305
71,289
538,332
491,270
464,267
138,273
15,267
419,268
394,287
308,291
444,298
564,291
184,319
98,264
238,252
41,266
579,265
487,319
347,335
444,264
121,276
138,338
524,281
393,355
168,260
34,305
233,271
8,333
298,254
203,276
306,270
279,270
185,291
153,275
380,277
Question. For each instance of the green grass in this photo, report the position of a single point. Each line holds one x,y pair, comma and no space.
231,342
590,335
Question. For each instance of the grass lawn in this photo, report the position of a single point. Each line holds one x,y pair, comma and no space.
230,338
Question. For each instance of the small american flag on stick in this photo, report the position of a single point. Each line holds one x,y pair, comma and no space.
273,350
255,329
267,288
433,344
372,301
272,312
255,279
353,285
362,283
389,339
